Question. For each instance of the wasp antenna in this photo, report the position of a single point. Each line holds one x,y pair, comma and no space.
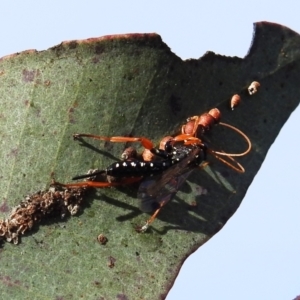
88,175
240,133
237,167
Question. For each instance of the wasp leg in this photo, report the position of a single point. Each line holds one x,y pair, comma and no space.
152,218
188,139
118,139
97,184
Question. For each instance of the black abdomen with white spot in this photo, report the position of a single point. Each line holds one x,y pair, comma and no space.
137,168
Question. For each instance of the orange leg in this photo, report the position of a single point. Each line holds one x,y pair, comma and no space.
97,184
152,218
188,139
118,139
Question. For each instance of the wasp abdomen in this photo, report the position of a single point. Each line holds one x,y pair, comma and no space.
137,168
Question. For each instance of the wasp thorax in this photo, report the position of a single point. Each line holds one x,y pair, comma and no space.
188,128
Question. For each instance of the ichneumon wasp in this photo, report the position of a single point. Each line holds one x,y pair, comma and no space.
176,157
163,188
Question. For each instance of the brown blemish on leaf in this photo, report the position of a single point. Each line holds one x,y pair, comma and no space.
4,207
73,44
13,152
102,239
97,283
47,82
99,48
95,59
111,261
70,115
122,297
29,75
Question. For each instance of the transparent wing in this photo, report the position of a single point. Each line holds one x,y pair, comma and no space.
164,187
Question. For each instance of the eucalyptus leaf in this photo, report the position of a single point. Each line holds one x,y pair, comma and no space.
129,85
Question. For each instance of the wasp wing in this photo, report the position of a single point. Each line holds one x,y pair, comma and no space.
164,187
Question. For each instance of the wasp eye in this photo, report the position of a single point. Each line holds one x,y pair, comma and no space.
168,146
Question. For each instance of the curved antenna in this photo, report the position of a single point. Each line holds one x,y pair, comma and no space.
239,168
234,154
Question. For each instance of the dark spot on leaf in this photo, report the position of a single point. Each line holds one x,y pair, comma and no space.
175,103
95,59
282,85
38,112
265,121
108,146
128,76
47,82
122,297
220,83
28,75
73,45
6,280
97,283
99,48
111,261
70,115
13,152
4,207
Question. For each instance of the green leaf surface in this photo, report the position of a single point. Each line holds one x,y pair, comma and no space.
120,86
